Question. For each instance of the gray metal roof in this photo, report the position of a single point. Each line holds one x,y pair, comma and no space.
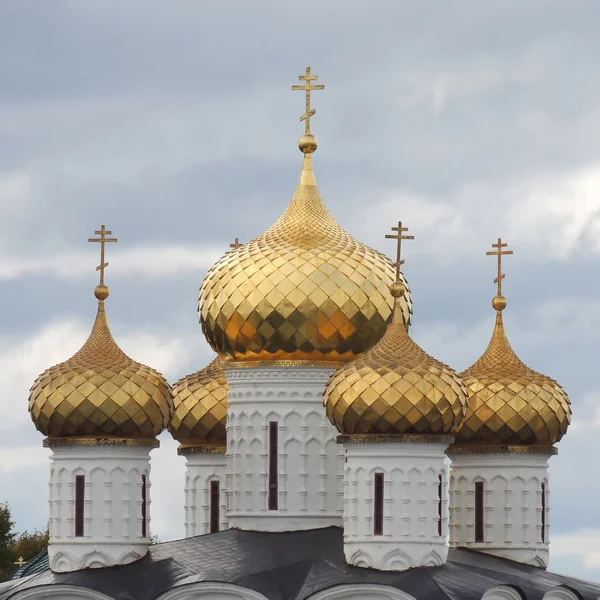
294,565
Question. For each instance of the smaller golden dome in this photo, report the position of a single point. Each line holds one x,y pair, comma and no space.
395,388
100,391
200,407
509,403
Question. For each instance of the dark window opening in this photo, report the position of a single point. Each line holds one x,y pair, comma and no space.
543,512
479,538
378,505
440,505
273,466
79,504
215,499
144,520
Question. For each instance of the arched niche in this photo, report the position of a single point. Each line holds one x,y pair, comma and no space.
361,591
208,590
58,592
504,592
562,592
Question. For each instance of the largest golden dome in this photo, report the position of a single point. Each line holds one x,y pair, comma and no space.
509,403
303,290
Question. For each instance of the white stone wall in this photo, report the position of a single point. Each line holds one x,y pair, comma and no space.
512,502
310,462
112,504
202,468
411,471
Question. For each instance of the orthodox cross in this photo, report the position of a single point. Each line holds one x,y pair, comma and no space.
235,244
399,237
308,88
20,562
103,240
499,253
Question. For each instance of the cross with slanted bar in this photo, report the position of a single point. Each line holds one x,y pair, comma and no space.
103,240
499,253
308,88
399,237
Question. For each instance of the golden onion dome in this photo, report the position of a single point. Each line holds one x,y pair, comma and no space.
395,387
100,391
509,403
303,290
200,407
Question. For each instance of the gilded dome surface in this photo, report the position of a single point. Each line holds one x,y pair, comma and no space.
303,290
100,391
200,406
509,403
395,388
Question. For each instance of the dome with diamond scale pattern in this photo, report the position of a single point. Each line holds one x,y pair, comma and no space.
509,403
200,407
395,387
303,290
100,391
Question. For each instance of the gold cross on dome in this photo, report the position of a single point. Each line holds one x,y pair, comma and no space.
308,88
499,253
103,240
235,244
399,237
20,562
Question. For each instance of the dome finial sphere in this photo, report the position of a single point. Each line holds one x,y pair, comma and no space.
499,303
101,292
397,289
307,143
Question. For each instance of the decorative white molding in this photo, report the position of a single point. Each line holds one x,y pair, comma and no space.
208,590
112,505
361,591
410,536
309,480
512,503
58,592
502,592
561,592
201,470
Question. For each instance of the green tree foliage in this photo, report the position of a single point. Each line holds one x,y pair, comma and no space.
27,545
7,538
14,546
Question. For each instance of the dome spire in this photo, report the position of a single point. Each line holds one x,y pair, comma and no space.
308,142
398,289
499,302
101,292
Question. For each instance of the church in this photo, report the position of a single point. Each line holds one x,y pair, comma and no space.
328,456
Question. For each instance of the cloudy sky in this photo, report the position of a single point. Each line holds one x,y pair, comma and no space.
173,123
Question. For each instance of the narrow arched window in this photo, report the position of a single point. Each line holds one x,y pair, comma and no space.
273,499
378,505
479,535
440,487
144,507
79,504
543,512
215,500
